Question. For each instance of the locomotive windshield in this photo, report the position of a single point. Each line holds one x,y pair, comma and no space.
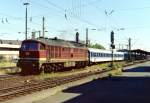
29,46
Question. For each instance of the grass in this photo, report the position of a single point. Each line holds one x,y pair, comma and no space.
4,64
7,64
104,65
117,65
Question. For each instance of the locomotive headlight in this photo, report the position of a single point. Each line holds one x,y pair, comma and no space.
33,65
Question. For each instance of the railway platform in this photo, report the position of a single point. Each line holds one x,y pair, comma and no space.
131,87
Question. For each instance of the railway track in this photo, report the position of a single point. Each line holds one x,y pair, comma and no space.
28,84
33,86
7,81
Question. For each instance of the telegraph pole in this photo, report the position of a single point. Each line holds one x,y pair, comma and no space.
43,26
26,21
86,37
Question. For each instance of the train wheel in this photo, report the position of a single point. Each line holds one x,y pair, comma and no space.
50,68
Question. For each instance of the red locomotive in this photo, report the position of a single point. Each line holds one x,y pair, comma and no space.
47,54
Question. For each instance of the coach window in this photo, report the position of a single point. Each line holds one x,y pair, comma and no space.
117,55
100,54
94,54
104,55
107,55
110,55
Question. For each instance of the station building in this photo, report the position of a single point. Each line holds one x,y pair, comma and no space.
9,49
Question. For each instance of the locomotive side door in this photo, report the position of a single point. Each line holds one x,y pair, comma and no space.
42,53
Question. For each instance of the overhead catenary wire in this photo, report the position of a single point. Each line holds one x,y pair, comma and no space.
74,16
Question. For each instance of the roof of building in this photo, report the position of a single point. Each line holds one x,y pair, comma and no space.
136,51
140,51
14,42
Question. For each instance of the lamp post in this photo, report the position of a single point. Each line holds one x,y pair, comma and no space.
26,21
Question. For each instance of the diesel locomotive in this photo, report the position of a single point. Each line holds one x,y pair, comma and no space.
47,54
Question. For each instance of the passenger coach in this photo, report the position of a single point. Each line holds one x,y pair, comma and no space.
98,55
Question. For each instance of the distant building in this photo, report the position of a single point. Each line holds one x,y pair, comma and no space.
9,49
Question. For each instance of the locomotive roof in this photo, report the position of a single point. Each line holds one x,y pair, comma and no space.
59,42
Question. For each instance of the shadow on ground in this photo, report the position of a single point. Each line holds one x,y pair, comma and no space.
113,90
139,69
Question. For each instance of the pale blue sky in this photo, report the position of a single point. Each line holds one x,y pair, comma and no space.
132,15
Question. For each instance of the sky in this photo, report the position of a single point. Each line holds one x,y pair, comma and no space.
63,18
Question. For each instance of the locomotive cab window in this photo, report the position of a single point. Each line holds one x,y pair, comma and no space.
29,46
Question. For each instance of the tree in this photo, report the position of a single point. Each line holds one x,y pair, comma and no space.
96,45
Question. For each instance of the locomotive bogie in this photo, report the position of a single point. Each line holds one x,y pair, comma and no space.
29,67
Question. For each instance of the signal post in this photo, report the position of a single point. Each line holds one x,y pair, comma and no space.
112,48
